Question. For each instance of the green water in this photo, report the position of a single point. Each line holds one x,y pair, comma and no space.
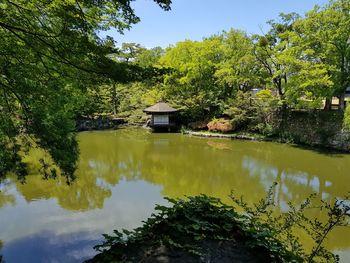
123,173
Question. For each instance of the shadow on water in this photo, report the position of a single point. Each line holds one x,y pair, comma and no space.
320,150
48,247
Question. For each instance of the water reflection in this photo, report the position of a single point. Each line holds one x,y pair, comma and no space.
125,210
48,247
5,197
1,261
123,173
81,195
324,176
190,166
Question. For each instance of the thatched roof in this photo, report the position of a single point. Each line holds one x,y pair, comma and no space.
160,107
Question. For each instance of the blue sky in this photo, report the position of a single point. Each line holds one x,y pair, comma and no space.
195,19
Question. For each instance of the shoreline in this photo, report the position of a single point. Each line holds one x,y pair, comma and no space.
327,149
239,136
262,138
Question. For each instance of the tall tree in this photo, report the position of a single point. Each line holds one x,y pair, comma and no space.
270,49
327,32
191,83
149,57
129,51
238,68
288,62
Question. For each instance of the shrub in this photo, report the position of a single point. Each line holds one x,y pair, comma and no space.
220,125
239,110
253,112
346,120
198,125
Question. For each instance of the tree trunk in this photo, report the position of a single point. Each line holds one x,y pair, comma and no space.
114,99
328,104
342,101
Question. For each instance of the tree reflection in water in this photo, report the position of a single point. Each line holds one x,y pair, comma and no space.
182,165
5,197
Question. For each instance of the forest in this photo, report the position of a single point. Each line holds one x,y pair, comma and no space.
56,68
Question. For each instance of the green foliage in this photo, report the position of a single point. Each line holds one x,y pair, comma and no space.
282,227
326,37
288,63
346,120
205,73
134,97
51,57
301,60
128,100
198,125
129,51
191,85
149,57
253,112
55,68
186,223
238,68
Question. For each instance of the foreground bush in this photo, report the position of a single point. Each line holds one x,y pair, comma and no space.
203,229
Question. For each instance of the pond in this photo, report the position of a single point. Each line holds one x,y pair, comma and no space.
122,174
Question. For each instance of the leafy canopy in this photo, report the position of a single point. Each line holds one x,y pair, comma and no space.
49,54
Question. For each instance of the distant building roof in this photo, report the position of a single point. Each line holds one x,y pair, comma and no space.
160,107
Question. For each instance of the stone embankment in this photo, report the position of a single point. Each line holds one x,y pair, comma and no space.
227,136
315,128
98,123
319,129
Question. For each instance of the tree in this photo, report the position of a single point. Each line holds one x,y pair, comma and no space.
143,62
149,57
326,32
289,64
269,49
238,70
50,50
192,82
128,52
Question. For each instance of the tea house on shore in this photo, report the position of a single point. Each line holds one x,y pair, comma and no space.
162,115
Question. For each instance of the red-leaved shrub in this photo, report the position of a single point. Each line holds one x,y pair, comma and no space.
220,125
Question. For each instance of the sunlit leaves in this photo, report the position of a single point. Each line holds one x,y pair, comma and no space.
50,54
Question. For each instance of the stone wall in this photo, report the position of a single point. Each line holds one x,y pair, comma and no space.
315,128
98,123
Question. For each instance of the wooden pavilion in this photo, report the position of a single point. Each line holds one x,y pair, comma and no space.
162,115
